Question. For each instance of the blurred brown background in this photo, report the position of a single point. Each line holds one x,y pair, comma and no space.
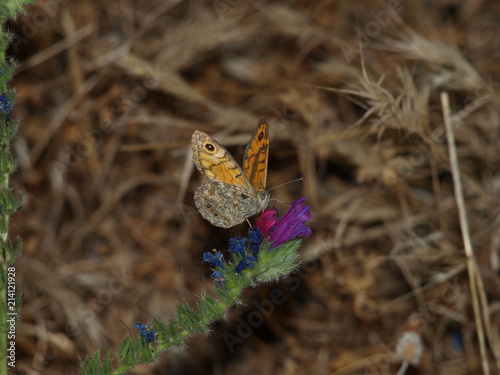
110,93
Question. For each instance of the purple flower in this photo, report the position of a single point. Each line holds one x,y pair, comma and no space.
266,221
146,333
245,263
237,246
215,258
291,224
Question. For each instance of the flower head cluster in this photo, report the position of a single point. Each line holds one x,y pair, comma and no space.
275,231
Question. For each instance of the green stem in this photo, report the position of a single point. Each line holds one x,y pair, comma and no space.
9,299
190,321
217,313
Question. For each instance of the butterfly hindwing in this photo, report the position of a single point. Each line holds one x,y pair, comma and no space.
222,204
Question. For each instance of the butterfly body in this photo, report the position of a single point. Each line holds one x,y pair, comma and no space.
233,193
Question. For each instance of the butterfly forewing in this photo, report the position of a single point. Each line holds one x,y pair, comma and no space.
215,162
256,156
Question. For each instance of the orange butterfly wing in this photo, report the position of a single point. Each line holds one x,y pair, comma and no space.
256,156
215,162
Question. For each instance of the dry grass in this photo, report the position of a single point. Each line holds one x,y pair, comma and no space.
110,95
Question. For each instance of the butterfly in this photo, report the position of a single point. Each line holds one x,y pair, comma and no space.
232,193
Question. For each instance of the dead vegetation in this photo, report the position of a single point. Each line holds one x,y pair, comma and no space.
110,94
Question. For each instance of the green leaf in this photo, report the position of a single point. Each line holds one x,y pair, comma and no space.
10,8
126,353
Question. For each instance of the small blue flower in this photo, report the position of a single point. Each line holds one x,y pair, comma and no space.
6,107
254,240
248,261
237,246
214,258
219,278
146,333
216,275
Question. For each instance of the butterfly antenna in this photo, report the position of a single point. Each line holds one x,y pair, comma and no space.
129,331
277,200
286,183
